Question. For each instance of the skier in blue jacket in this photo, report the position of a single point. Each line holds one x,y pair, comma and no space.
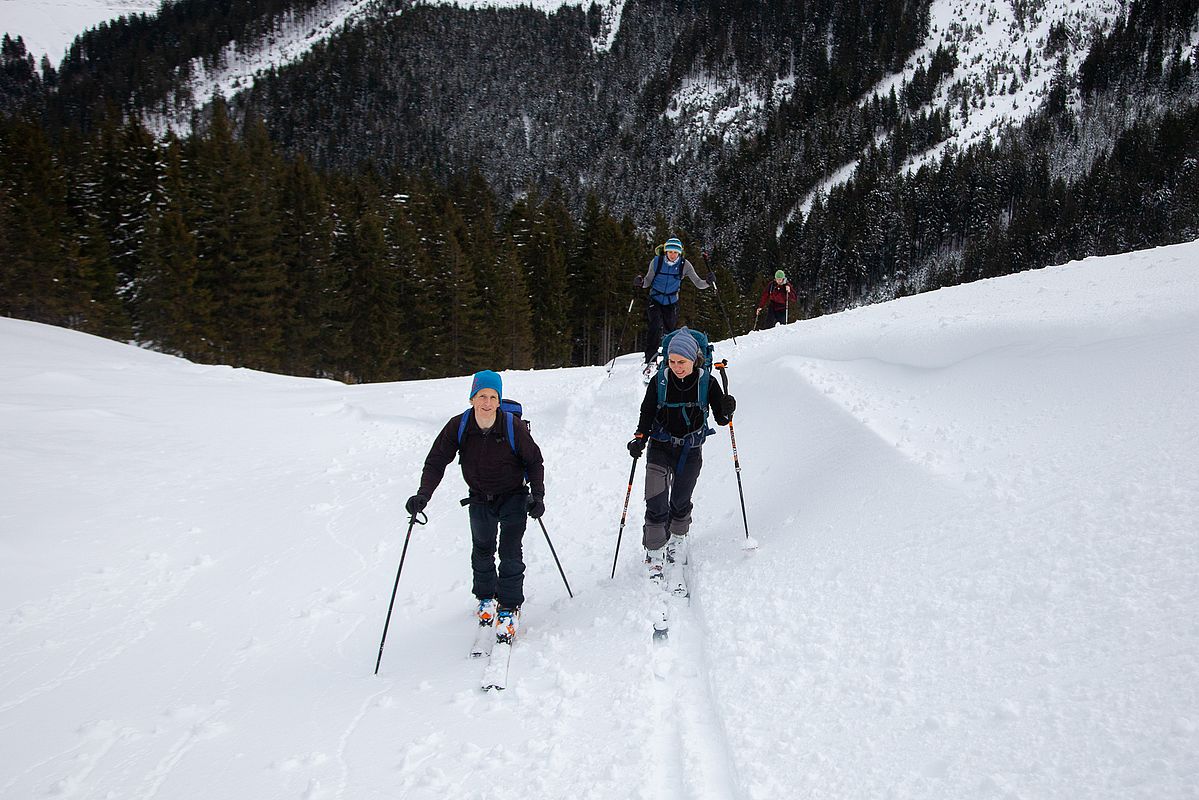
664,278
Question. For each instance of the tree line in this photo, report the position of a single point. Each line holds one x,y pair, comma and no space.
217,248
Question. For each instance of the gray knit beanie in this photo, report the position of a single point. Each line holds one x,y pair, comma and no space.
683,344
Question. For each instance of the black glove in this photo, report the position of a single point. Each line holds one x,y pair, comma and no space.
637,282
730,405
711,277
637,445
416,504
535,505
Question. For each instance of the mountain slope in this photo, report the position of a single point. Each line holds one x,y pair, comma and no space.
975,578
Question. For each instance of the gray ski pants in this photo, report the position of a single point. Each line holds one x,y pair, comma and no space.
668,492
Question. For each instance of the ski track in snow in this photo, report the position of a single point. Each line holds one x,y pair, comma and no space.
703,763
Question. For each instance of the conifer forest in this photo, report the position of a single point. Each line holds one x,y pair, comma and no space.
445,190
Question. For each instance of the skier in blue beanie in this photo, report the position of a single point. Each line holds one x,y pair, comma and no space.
664,279
495,469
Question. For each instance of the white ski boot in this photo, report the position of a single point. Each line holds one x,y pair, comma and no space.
655,564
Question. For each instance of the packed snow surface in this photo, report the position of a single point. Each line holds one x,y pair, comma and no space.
976,574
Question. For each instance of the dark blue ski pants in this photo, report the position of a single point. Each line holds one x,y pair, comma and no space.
662,319
498,520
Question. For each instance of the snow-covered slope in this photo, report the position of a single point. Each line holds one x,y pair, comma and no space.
1006,63
976,511
49,26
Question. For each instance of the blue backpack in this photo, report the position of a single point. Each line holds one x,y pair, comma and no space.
707,353
668,279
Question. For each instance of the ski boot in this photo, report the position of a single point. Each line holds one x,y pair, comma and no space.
486,613
676,549
505,624
655,564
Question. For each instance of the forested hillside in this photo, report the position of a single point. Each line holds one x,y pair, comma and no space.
428,172
218,248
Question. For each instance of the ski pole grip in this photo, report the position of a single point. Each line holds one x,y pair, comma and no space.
724,376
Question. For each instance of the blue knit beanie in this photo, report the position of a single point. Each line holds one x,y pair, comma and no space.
683,344
673,244
486,379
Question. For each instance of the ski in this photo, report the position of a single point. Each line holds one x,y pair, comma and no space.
495,676
661,625
484,639
485,632
649,371
655,565
671,580
676,560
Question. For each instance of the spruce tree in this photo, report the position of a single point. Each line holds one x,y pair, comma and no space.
169,305
40,273
512,328
304,249
237,226
375,322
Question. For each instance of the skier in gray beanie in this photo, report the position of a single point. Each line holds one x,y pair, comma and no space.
683,344
674,428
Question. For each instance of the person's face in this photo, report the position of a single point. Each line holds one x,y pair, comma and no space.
485,402
672,256
681,367
780,281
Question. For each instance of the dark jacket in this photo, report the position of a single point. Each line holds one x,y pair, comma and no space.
489,466
672,419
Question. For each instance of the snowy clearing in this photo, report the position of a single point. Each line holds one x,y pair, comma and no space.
976,511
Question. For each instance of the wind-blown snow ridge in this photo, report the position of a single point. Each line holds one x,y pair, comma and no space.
976,514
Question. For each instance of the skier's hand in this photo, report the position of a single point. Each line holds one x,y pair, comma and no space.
637,445
730,405
416,504
711,277
757,311
535,505
637,282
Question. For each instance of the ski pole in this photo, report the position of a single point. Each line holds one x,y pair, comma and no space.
555,555
724,379
391,605
623,515
623,327
719,302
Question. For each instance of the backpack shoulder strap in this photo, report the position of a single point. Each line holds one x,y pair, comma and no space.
510,422
508,418
462,424
702,392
